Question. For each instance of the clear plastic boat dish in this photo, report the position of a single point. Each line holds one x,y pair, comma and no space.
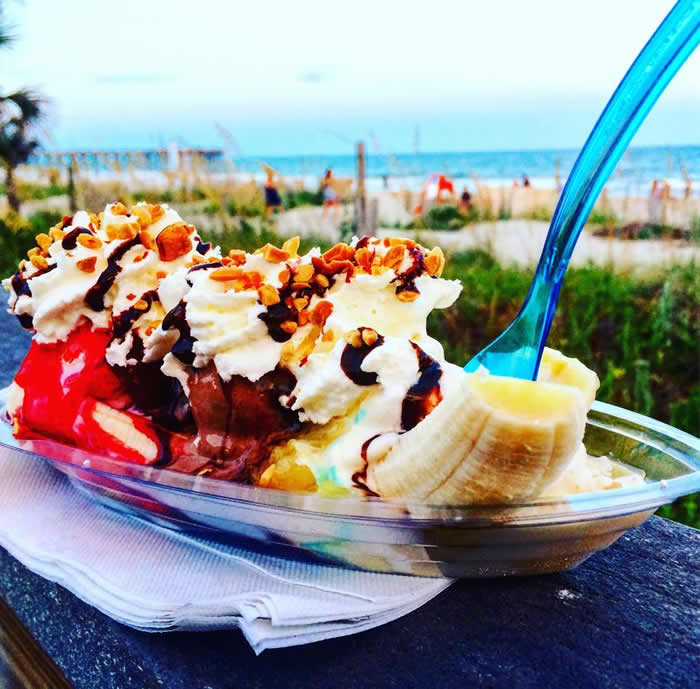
538,536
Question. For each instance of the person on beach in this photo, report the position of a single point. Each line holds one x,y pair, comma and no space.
273,200
526,180
330,192
465,202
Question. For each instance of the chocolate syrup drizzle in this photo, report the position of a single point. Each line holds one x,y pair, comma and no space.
424,394
183,348
95,297
407,279
20,284
203,247
351,362
124,321
70,241
202,266
359,478
273,319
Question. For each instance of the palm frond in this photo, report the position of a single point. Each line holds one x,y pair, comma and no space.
29,103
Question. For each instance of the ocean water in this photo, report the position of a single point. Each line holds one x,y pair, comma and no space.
633,175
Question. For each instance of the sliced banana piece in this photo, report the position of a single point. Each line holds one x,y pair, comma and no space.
557,368
121,427
491,439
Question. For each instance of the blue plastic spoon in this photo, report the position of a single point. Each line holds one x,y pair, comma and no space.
518,350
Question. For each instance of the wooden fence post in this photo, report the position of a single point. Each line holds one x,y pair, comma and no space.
73,205
361,196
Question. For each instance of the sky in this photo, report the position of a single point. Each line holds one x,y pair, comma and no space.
307,77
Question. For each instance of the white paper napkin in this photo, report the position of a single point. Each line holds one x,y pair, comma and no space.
155,579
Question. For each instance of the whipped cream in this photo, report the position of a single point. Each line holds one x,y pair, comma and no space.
53,298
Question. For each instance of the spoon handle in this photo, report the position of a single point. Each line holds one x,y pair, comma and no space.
670,46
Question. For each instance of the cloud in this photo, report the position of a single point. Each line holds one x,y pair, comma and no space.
312,77
136,78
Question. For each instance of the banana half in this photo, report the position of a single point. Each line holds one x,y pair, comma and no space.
491,439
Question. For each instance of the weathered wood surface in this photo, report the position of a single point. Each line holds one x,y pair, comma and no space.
628,617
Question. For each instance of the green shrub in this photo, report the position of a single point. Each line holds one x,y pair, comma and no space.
444,218
28,191
43,221
302,197
14,244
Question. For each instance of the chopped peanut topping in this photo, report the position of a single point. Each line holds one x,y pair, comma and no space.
57,234
434,262
141,305
252,279
43,240
363,257
304,273
174,241
369,336
147,241
89,241
87,265
237,256
161,274
340,252
274,255
225,274
126,230
303,317
334,267
321,312
291,246
284,276
143,214
394,256
298,286
226,261
407,295
321,280
268,295
155,324
38,261
300,303
119,209
328,336
354,338
289,327
34,251
157,212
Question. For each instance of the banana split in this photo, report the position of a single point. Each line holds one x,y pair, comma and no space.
311,372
